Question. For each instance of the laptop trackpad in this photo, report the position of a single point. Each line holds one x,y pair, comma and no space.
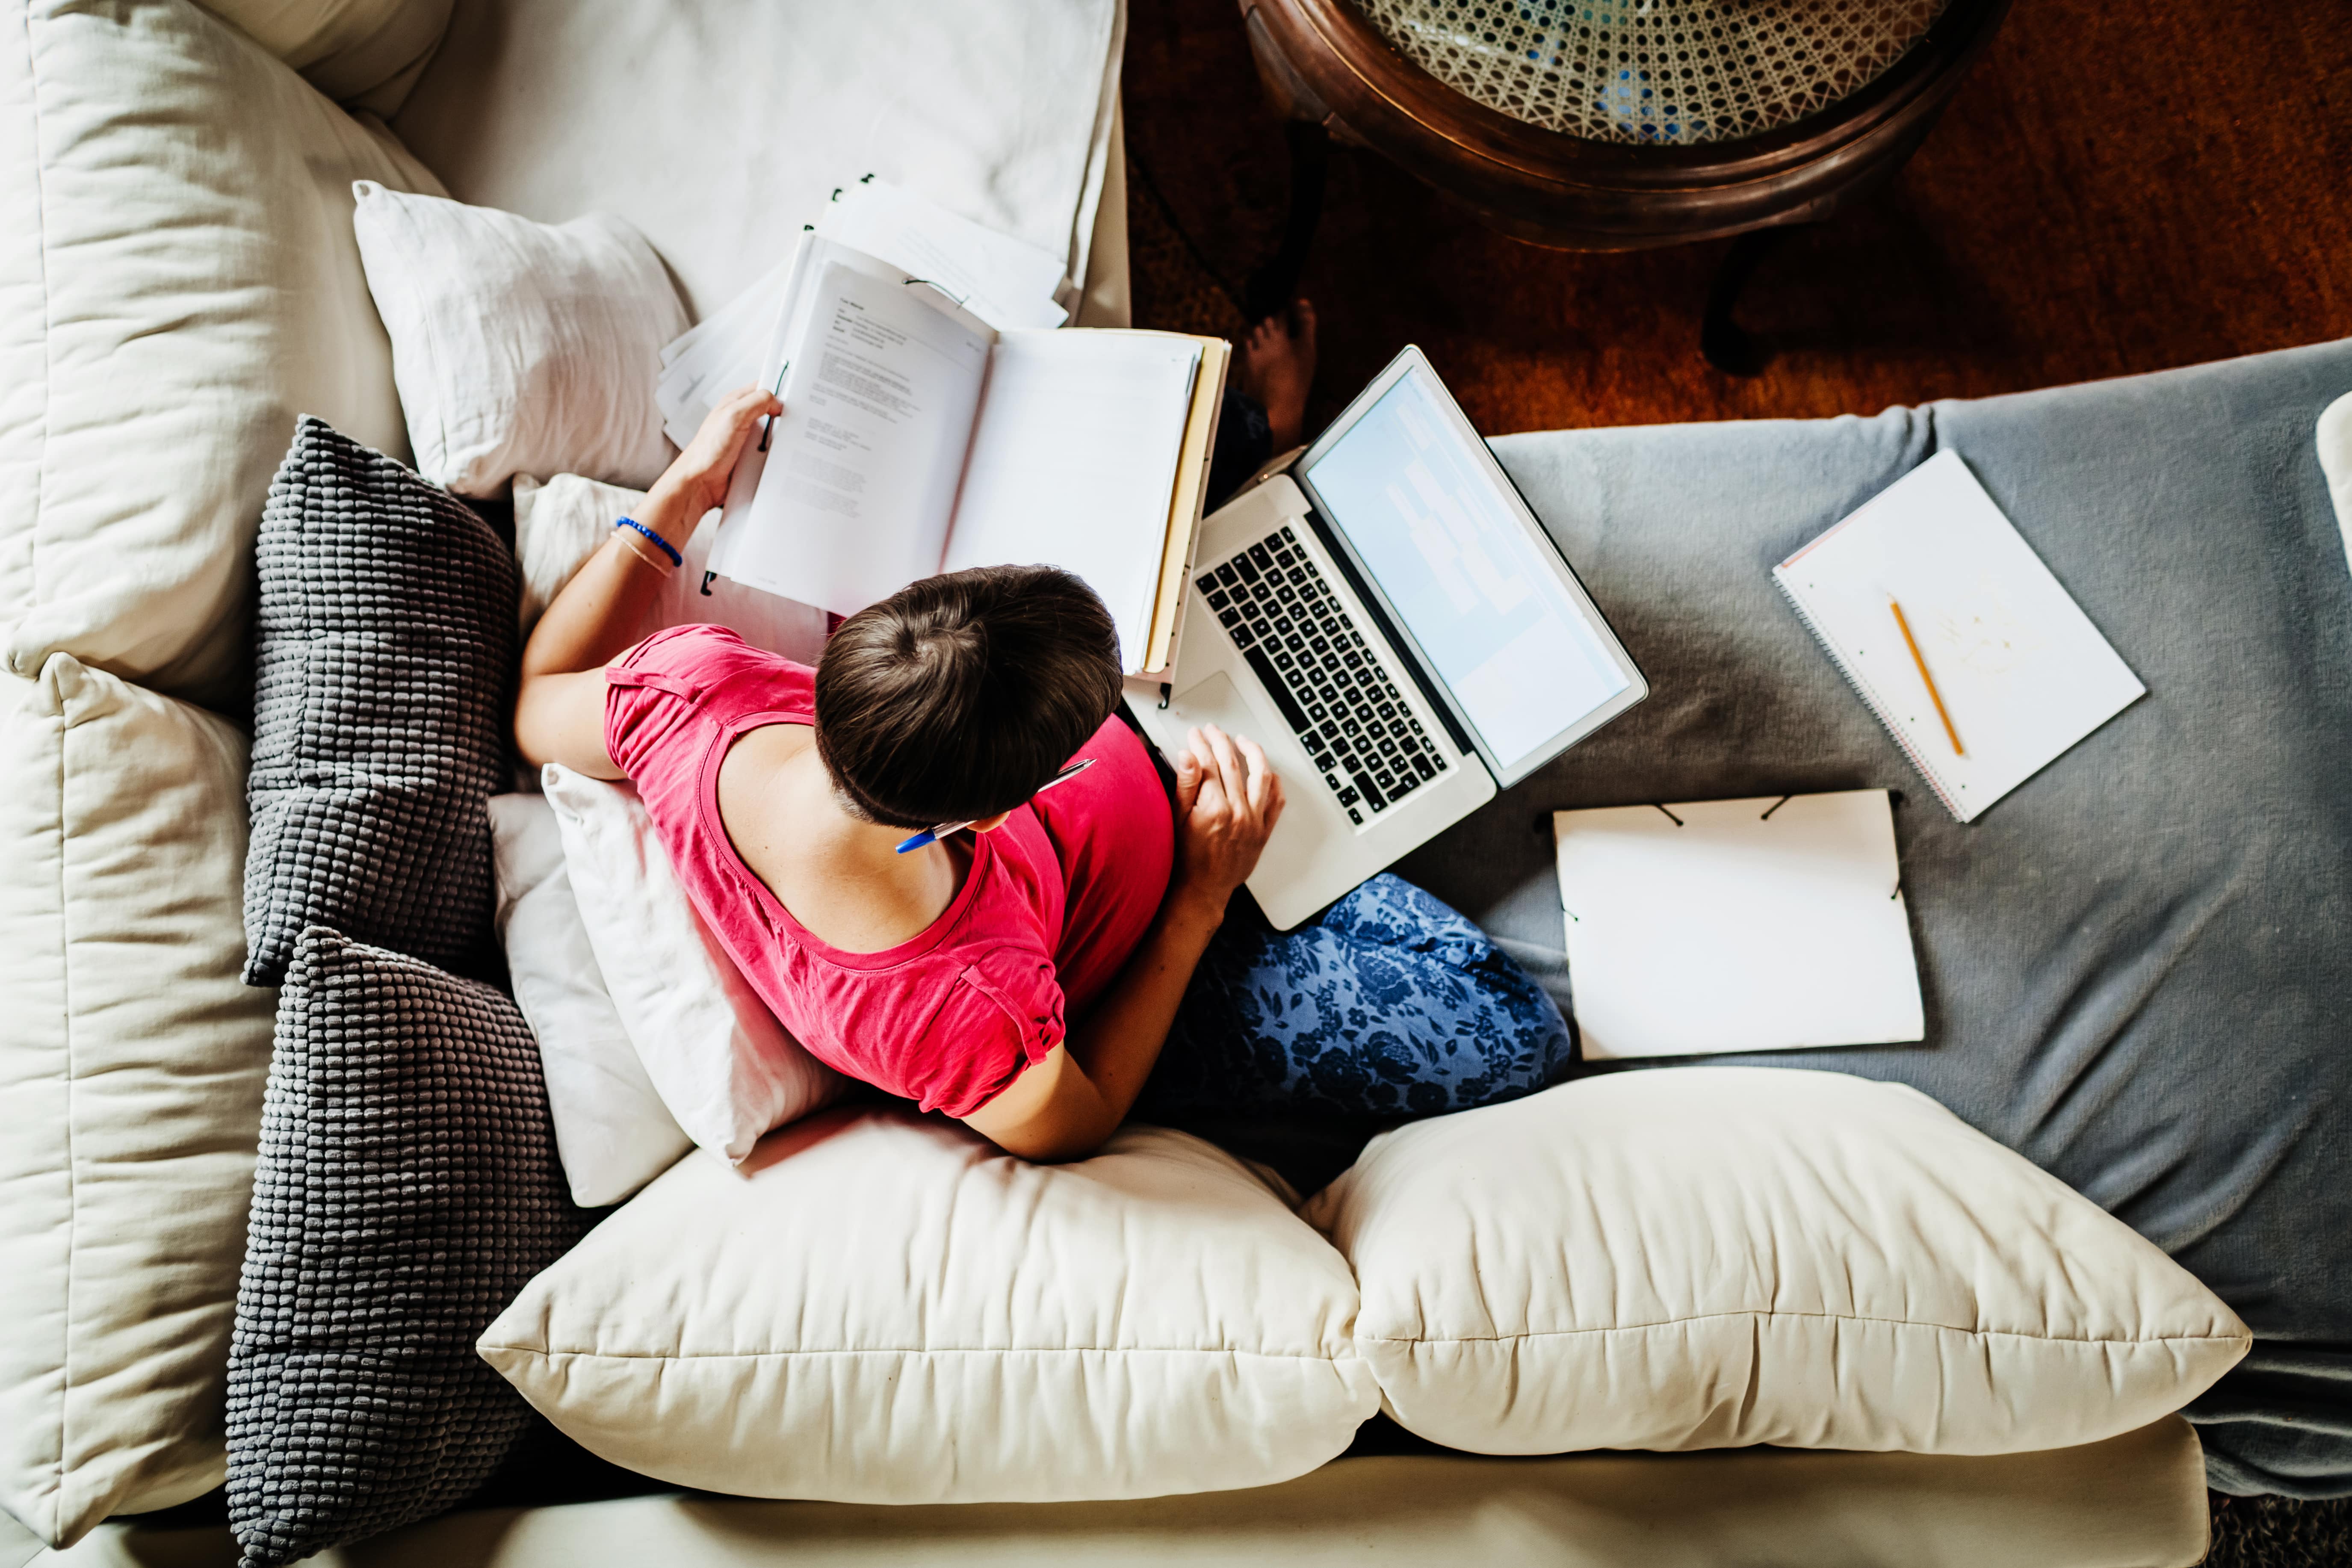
1218,701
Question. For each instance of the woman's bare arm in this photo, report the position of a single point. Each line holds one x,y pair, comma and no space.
1227,802
560,705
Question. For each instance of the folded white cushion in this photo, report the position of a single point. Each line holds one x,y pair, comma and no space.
559,524
727,1069
519,347
884,1308
611,1131
368,52
131,1062
1710,1257
178,280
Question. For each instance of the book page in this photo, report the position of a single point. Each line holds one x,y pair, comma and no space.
1074,462
2022,672
851,501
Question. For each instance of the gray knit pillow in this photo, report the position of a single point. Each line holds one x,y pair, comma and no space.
407,1187
384,660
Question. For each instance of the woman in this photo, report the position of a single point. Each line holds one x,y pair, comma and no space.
1023,976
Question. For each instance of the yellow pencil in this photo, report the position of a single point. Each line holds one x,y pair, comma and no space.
1933,695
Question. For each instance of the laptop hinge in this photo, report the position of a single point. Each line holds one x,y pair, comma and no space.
1401,649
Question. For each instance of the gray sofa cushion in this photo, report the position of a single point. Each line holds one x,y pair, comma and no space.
2138,966
384,661
407,1188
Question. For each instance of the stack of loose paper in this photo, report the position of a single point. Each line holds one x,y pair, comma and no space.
1004,281
1737,925
718,354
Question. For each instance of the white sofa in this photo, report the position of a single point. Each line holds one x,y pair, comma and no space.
181,282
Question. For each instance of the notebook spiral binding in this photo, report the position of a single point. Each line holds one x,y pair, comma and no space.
1878,709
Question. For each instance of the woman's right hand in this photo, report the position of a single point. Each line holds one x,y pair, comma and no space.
697,480
1227,801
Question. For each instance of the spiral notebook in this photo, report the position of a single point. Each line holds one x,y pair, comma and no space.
1939,614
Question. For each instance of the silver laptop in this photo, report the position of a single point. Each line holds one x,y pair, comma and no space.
1392,624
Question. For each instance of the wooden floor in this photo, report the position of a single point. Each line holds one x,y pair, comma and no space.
2115,189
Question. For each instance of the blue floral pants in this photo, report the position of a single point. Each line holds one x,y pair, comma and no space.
1390,1004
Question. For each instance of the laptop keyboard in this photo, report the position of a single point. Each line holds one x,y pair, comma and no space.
1307,654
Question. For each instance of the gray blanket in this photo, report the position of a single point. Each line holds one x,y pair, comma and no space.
2138,966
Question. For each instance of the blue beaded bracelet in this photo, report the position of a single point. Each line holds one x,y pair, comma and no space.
667,547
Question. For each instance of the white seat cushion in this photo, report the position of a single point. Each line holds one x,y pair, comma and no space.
879,1307
553,109
1712,1256
131,1061
2136,1501
178,280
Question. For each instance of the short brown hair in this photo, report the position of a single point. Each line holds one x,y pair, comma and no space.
959,696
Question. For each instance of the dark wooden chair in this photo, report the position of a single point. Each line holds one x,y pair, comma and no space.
1640,169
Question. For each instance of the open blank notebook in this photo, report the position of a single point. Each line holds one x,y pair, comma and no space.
2022,672
1736,925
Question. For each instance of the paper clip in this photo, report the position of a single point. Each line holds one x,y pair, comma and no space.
942,287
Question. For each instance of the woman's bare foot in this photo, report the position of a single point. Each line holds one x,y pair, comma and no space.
1278,368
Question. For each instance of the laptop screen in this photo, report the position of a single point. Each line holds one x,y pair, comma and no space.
1489,605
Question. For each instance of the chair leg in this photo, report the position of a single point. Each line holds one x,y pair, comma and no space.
1273,286
1728,347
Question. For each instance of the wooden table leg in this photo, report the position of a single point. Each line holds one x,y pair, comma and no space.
1276,283
1726,345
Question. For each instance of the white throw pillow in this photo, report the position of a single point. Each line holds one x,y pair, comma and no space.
519,347
2336,463
727,1069
1711,1257
559,524
612,1130
131,1063
180,282
879,1307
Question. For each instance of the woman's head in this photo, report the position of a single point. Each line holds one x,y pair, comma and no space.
957,696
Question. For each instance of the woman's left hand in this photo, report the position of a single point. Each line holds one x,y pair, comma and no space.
697,480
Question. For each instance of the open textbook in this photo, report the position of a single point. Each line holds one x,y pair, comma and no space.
916,438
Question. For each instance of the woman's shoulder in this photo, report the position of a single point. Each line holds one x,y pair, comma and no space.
685,689
690,659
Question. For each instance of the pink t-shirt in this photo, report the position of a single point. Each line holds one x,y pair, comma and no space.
1054,903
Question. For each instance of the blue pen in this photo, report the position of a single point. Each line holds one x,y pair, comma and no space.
933,834
770,427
